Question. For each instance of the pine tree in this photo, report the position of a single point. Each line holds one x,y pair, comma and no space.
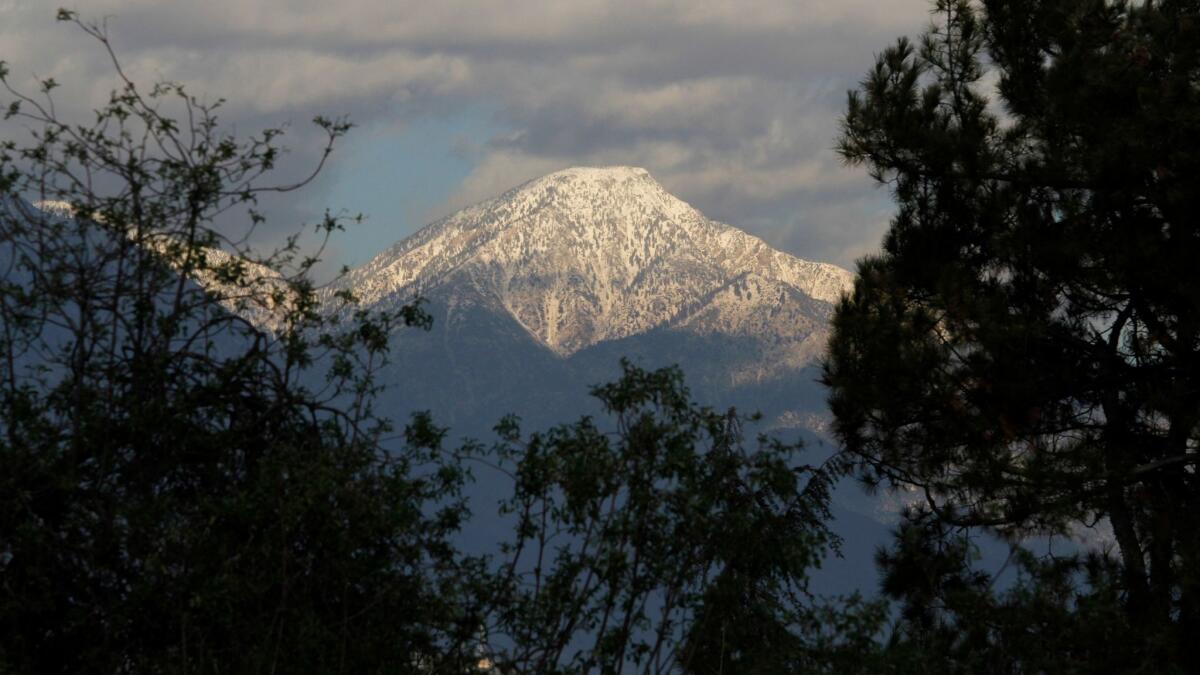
1024,353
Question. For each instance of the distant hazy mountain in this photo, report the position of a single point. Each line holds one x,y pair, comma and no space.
537,293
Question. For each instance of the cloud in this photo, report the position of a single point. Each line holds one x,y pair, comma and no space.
732,104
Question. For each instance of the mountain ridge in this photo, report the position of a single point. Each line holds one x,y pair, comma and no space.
581,256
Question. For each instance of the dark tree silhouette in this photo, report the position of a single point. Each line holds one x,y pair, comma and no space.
665,546
172,496
1025,351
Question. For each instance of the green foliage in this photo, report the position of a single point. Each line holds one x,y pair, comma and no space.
1054,615
664,546
1024,352
173,498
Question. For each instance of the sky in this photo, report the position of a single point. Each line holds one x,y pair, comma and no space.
732,105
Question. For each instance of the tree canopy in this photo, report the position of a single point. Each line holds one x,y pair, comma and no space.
1024,353
175,494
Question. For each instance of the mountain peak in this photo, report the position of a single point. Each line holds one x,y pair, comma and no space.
589,254
620,191
599,173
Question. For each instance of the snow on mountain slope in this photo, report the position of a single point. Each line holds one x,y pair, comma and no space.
587,255
790,327
253,296
591,255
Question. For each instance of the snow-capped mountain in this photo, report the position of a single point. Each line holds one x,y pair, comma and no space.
537,293
589,255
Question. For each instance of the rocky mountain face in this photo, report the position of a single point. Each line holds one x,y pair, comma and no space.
536,294
587,255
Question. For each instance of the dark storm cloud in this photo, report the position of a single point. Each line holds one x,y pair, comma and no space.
732,105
